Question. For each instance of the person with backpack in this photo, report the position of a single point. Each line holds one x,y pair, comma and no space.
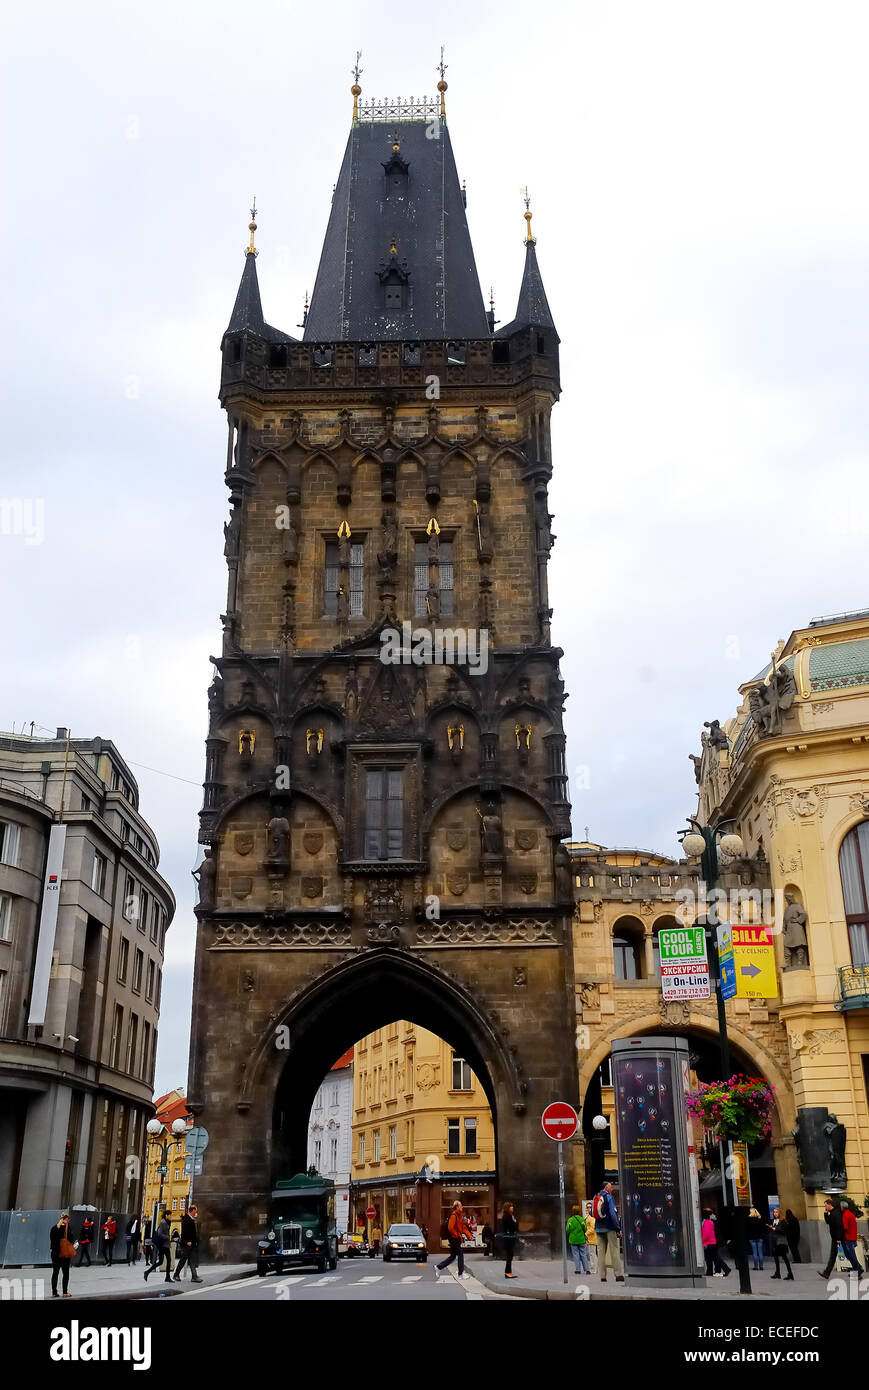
608,1229
109,1229
576,1239
457,1230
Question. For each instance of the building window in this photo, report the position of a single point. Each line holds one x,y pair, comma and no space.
131,901
333,1155
627,945
605,1072
177,1174
384,813
470,1136
174,1203
123,958
2,1001
362,1148
150,1076
143,911
854,870
454,1137
376,1158
155,921
446,578
98,874
117,1029
137,971
146,1043
132,1039
159,989
462,1079
149,980
393,1141
5,917
334,1095
9,839
332,579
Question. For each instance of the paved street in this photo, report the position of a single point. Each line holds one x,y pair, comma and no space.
366,1280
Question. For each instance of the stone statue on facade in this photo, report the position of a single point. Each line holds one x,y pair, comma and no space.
232,534
795,937
278,841
717,737
205,876
697,760
491,831
771,699
837,1137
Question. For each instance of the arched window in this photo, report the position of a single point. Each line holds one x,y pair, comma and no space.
854,869
667,924
627,949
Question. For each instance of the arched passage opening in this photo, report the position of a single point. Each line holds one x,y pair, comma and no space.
772,1171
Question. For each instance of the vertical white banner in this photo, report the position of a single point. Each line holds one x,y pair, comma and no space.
47,924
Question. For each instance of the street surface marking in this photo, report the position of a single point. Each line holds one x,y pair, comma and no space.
411,1278
368,1279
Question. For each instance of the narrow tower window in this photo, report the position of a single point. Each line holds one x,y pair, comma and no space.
384,813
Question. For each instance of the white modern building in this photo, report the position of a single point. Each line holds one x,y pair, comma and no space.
330,1132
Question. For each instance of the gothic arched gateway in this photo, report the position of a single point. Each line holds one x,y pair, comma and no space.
386,784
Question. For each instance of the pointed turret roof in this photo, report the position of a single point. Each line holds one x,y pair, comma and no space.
247,315
533,306
398,218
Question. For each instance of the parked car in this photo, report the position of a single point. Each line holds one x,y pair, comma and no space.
404,1241
352,1245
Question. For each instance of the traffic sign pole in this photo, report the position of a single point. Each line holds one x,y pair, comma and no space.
563,1212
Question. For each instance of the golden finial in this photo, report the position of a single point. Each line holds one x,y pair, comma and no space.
251,250
442,86
356,90
393,249
527,215
344,531
492,298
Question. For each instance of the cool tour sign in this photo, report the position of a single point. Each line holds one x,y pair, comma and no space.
684,967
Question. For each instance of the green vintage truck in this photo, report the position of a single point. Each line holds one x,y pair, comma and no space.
301,1228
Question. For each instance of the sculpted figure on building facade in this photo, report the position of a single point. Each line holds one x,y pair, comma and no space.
491,830
837,1138
795,938
232,534
278,840
769,701
717,737
697,760
205,876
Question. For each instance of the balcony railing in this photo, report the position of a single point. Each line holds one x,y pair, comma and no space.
853,987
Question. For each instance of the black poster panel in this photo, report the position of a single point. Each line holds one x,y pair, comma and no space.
647,1090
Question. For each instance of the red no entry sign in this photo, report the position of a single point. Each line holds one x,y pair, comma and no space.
371,1212
559,1120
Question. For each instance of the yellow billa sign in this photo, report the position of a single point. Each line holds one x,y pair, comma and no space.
754,959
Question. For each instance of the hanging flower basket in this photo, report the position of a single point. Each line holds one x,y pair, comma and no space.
739,1109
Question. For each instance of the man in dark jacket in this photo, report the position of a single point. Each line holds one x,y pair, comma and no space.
162,1249
188,1249
134,1235
607,1229
833,1218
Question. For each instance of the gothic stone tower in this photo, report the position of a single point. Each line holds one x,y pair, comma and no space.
384,837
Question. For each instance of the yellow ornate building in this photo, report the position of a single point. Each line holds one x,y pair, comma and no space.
416,1104
792,771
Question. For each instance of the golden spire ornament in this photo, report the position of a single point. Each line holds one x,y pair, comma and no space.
442,85
356,90
251,226
527,215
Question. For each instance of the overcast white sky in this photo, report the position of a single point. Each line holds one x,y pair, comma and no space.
698,176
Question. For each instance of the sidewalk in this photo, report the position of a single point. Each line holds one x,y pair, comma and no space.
118,1282
543,1279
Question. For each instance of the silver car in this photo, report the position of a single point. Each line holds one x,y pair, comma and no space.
404,1241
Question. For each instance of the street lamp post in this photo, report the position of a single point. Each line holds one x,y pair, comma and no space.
155,1128
705,841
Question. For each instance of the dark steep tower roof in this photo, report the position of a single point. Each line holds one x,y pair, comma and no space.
533,306
248,312
397,223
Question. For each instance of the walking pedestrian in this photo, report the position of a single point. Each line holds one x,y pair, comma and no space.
133,1234
509,1235
84,1242
161,1249
487,1235
716,1265
590,1238
836,1227
576,1239
62,1251
376,1238
608,1229
457,1230
109,1230
756,1236
793,1232
849,1238
779,1229
189,1246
